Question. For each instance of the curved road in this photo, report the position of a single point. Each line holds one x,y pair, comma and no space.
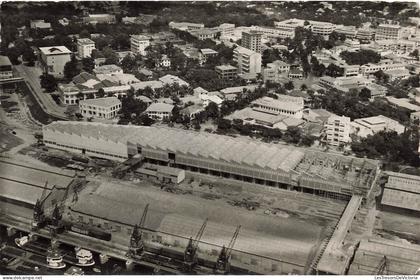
31,76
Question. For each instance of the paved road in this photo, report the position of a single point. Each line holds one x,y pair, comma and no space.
31,76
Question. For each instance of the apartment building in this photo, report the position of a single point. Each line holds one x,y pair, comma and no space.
54,58
68,94
388,31
275,70
103,108
322,28
252,40
139,43
397,46
227,29
226,72
365,34
85,46
204,54
159,111
349,31
337,130
248,61
5,68
285,105
384,65
344,84
289,24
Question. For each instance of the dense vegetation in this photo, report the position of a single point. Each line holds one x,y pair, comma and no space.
360,57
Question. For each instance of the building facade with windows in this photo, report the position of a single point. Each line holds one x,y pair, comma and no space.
337,130
285,105
5,68
139,43
388,32
54,58
101,108
252,40
248,61
85,46
159,111
226,72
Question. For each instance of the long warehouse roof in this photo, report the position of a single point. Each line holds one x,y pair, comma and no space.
206,145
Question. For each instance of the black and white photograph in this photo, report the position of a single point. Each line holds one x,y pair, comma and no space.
209,138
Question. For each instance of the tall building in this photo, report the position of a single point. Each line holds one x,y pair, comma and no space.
388,31
248,61
54,58
85,46
252,40
337,130
139,43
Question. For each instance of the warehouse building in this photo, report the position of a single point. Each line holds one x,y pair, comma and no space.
260,163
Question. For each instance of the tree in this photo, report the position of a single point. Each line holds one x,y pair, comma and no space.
212,110
334,70
88,64
360,57
110,56
48,82
71,69
224,124
100,93
29,56
84,34
289,85
415,54
365,94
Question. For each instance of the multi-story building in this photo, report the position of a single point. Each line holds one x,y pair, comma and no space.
204,54
365,34
54,58
289,24
5,68
388,31
252,40
285,105
85,46
226,72
384,65
204,33
159,111
248,61
139,43
397,46
275,70
351,70
164,62
337,130
344,84
322,28
99,18
273,32
349,31
227,29
103,108
69,94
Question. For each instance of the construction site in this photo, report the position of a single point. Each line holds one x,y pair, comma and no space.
148,200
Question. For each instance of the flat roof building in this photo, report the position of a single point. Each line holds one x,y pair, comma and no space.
54,58
372,125
285,105
139,43
101,108
388,31
226,72
252,40
159,111
337,130
85,46
249,62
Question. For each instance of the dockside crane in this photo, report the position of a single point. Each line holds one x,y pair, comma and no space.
136,240
382,268
223,261
190,254
39,213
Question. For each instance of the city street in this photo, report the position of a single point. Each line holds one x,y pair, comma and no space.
31,75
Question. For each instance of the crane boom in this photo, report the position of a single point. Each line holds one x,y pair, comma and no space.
200,234
190,256
223,261
382,268
143,217
233,240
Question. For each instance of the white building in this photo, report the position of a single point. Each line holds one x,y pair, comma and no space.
388,31
171,79
185,25
85,46
164,62
40,24
227,29
159,111
285,105
322,28
372,125
248,62
103,108
54,58
68,94
204,33
337,130
139,43
275,70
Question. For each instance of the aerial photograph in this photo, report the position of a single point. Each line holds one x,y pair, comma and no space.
209,138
